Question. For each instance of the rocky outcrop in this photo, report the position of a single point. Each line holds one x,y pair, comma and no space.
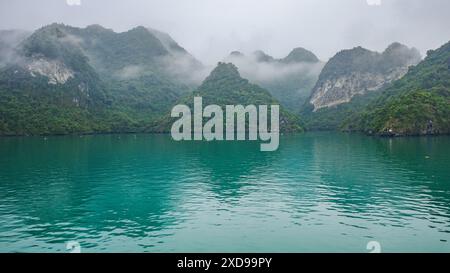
55,71
342,89
358,71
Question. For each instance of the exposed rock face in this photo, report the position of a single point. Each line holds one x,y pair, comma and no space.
65,79
342,89
358,71
55,71
417,104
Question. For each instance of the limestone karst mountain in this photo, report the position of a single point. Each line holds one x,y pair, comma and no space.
417,104
358,71
65,79
225,86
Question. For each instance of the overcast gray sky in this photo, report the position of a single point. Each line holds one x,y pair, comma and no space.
210,29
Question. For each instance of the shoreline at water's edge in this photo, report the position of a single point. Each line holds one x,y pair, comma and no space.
168,133
397,135
84,134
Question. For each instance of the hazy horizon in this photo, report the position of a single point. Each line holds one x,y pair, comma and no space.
210,30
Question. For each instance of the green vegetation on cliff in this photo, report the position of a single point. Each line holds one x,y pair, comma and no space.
63,80
417,104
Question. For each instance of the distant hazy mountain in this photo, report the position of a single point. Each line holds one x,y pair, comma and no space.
261,57
358,71
300,55
289,79
62,79
225,86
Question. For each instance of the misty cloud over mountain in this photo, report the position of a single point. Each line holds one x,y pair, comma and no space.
289,79
210,29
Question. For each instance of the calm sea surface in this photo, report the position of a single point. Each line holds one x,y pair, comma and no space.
320,192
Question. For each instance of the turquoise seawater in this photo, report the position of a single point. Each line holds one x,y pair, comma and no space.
320,192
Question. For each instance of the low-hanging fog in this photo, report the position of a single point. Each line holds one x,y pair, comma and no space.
211,29
267,72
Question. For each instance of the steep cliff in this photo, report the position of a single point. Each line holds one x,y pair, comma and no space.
359,71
